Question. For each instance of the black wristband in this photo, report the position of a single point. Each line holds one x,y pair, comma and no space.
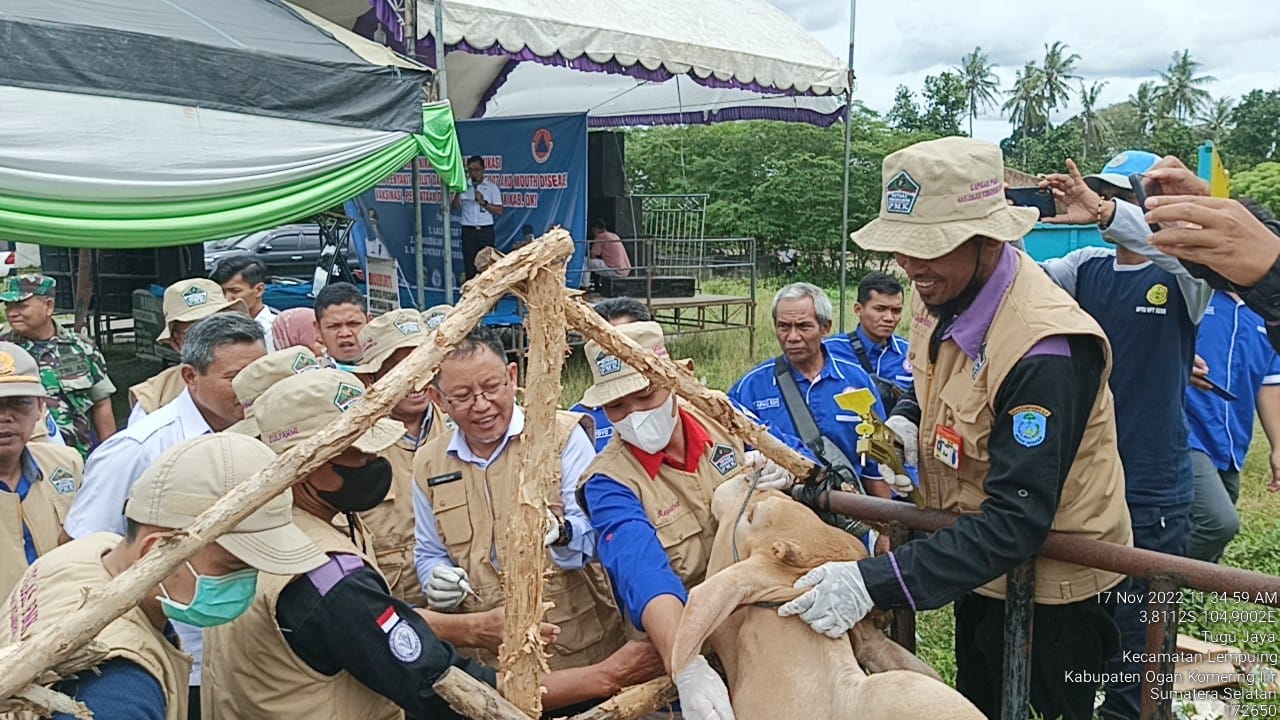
1264,297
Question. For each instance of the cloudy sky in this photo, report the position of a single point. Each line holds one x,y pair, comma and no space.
899,42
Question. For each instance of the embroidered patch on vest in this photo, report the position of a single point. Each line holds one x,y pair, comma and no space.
1029,424
724,458
63,481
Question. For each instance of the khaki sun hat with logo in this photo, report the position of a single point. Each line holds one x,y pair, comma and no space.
302,405
434,315
940,193
257,376
189,478
195,299
386,334
611,378
19,373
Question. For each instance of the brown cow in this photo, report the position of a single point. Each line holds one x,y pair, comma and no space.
776,666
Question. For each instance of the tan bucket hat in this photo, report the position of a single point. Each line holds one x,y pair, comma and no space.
940,193
434,315
19,373
386,334
257,376
195,299
189,478
610,377
299,406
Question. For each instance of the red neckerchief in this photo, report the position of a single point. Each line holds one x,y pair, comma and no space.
696,441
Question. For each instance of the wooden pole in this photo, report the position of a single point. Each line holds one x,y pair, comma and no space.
634,702
474,699
23,662
667,374
522,659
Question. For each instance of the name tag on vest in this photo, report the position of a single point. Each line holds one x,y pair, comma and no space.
444,479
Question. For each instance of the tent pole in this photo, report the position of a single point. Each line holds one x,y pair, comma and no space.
848,140
443,94
410,24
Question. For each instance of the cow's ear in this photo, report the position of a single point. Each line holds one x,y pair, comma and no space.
788,552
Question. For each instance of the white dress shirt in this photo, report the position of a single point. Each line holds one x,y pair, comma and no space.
266,317
429,551
473,214
115,465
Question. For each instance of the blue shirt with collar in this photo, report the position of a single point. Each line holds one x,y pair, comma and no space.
1233,342
888,360
758,392
29,474
604,428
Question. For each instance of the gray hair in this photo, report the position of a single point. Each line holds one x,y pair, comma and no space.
799,291
211,333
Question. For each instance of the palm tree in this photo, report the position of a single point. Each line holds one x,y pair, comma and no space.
980,83
1216,118
1059,67
1026,104
1093,126
1146,106
1182,93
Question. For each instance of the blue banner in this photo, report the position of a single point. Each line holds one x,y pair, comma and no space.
539,164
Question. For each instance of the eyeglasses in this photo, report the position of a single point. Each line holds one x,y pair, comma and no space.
464,401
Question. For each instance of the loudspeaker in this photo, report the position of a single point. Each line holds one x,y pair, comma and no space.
606,164
622,215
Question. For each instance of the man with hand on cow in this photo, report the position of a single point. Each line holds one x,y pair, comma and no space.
1014,429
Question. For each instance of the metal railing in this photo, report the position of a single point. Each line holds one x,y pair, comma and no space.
1165,573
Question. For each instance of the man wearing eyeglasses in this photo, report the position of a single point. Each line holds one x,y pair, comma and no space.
463,497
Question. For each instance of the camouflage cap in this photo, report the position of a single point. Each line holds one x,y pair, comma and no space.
19,374
20,287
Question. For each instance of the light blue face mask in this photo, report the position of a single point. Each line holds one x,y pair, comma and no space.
218,599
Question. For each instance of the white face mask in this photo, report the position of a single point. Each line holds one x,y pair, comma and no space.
649,430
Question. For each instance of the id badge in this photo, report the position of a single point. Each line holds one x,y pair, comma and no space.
947,446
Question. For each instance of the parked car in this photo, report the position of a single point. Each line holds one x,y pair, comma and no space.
287,251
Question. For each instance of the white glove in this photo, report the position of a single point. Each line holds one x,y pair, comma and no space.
838,600
772,475
909,433
553,533
703,695
444,587
900,484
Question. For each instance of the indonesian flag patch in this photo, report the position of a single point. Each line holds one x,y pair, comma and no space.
402,639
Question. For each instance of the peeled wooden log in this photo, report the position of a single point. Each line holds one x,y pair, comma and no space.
634,702
24,662
473,699
522,660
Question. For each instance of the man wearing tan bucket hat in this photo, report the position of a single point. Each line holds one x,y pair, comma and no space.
386,341
145,672
648,494
1014,428
333,642
258,376
185,302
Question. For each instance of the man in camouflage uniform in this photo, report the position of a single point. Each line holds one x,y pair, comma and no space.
71,368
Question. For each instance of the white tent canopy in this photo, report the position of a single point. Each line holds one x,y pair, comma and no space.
735,59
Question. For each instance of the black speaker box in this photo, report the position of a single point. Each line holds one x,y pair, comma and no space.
606,164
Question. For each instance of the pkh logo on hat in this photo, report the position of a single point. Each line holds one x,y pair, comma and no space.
607,364
346,395
407,325
194,296
303,361
900,194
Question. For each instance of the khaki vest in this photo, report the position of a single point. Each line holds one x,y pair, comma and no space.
677,503
250,672
469,515
44,510
158,390
55,586
953,392
392,521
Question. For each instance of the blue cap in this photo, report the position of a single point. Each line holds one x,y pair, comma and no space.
1118,169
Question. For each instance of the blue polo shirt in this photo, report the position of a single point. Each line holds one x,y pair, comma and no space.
1233,342
888,360
30,474
604,428
758,392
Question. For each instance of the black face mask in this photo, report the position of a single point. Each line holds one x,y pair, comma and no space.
362,487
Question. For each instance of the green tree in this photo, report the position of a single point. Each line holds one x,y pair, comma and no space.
1045,152
1182,92
981,84
1261,182
1093,127
1058,71
1255,133
905,114
1026,106
1215,119
944,104
1172,137
1146,106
